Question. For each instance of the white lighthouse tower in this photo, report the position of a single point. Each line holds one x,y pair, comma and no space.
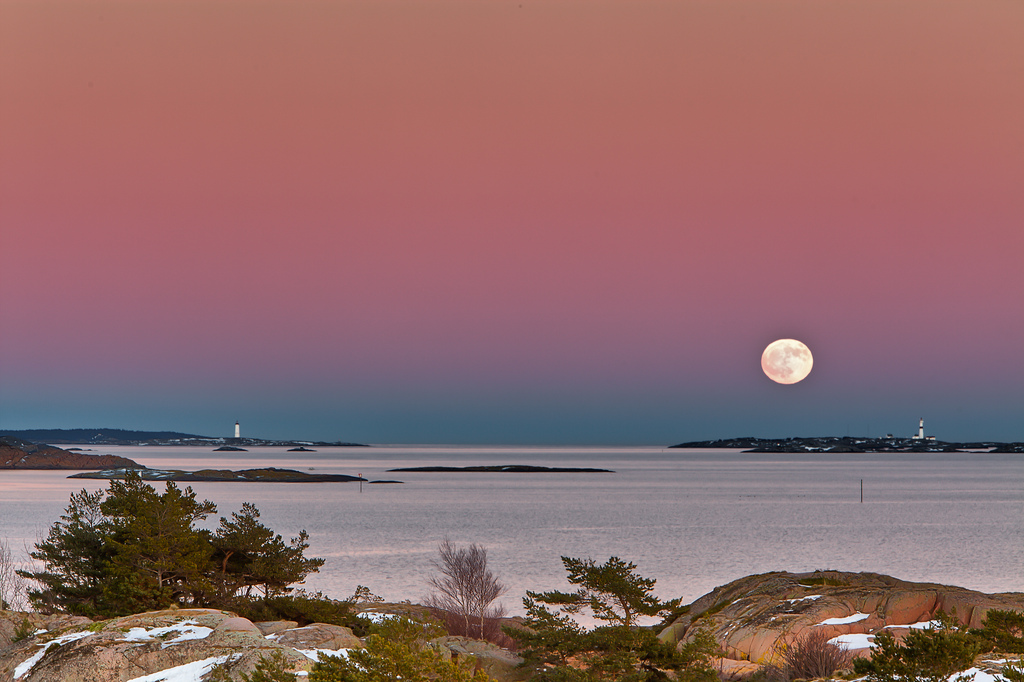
238,431
919,436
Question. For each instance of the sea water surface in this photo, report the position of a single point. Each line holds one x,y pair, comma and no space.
692,519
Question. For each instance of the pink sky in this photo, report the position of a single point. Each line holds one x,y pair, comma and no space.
512,222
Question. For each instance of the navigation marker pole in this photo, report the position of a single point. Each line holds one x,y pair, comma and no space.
361,486
862,491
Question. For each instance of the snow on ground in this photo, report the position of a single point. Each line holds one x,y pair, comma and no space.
188,629
190,672
376,616
26,666
923,625
811,597
975,675
846,620
314,654
855,641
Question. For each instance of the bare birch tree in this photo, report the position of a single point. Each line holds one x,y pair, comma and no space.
465,587
12,585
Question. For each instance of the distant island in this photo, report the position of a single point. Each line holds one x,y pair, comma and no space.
850,444
127,437
16,453
21,454
266,475
513,468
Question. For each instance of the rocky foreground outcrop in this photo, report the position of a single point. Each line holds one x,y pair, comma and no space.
749,617
185,644
21,454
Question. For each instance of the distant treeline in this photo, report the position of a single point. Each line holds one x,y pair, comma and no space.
52,436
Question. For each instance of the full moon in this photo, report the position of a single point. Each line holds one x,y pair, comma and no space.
787,361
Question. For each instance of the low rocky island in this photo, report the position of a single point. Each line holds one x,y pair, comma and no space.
21,454
508,468
267,475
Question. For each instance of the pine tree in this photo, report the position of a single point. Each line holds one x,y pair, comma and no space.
249,555
398,650
563,651
154,536
131,549
75,556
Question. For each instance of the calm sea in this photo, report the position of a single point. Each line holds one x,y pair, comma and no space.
693,519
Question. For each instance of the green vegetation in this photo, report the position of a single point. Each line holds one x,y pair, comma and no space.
1013,672
23,631
562,651
399,649
1002,631
930,655
715,609
934,654
304,608
823,580
273,668
130,549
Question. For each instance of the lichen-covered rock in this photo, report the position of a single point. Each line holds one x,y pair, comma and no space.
20,624
122,649
499,664
272,627
319,636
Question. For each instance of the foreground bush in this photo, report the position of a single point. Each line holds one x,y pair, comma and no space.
303,608
398,649
810,657
489,629
561,651
930,655
1002,631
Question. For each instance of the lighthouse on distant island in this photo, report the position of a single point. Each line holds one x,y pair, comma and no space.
238,431
920,432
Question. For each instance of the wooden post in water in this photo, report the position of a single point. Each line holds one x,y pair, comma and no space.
862,491
361,486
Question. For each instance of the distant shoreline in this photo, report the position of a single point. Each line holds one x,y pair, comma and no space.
850,444
157,438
